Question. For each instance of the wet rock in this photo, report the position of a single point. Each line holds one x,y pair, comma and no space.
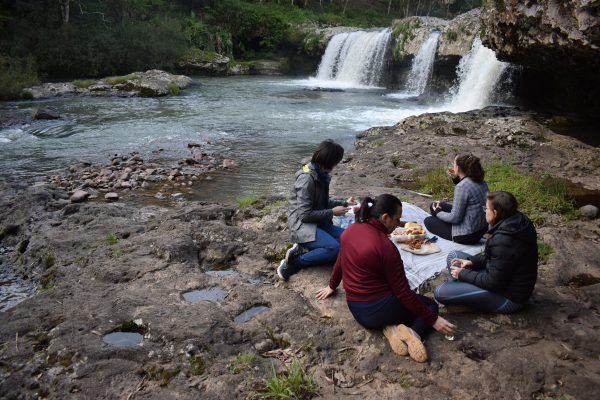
227,163
111,196
45,113
79,196
589,211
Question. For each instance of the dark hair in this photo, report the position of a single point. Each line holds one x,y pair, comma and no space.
383,204
471,166
504,203
328,154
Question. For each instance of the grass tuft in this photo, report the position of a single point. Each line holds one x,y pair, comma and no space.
83,83
111,239
116,80
174,89
241,362
246,201
197,365
544,252
293,383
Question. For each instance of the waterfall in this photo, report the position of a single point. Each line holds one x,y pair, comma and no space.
355,58
422,66
478,73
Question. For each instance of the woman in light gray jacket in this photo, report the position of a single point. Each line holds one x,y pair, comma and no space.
463,221
310,213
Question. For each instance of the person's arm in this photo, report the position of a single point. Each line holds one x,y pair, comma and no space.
396,278
305,187
478,261
498,271
336,272
459,207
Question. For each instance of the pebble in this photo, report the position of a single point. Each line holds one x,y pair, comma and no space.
589,211
79,196
111,196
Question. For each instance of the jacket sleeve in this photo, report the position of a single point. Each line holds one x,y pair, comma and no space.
337,202
336,272
305,187
396,278
459,207
498,271
478,261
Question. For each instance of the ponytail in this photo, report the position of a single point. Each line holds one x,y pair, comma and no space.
383,204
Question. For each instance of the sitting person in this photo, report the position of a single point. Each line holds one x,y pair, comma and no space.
502,279
377,291
462,221
310,213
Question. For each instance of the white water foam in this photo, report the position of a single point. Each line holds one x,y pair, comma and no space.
15,134
353,60
478,73
422,66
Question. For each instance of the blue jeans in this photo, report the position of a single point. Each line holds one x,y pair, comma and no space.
323,250
453,292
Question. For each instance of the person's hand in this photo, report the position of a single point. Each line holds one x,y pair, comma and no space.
443,326
340,210
324,293
454,271
351,201
457,262
436,205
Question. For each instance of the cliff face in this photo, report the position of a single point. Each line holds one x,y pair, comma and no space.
556,42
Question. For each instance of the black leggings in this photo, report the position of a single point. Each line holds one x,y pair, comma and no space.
377,314
444,229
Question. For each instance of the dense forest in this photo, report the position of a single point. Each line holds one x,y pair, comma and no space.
54,39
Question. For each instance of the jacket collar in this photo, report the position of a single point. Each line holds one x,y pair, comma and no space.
315,171
375,223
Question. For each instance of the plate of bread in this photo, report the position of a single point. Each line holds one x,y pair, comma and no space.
410,231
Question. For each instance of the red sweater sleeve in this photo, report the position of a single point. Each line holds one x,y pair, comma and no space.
336,272
395,275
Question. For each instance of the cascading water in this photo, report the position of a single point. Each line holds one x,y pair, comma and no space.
355,58
478,73
422,66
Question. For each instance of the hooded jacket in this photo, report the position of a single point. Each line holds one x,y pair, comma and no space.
309,204
509,263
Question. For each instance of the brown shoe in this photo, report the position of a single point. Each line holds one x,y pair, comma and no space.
416,348
396,343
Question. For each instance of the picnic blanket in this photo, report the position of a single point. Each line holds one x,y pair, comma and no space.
421,268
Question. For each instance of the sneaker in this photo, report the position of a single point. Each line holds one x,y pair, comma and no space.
282,271
293,252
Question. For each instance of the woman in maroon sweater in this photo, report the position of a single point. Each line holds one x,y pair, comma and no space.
377,291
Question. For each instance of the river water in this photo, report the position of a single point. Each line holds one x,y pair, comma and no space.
266,124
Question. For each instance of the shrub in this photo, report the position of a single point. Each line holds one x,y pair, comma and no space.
116,80
174,89
111,239
544,251
15,75
245,201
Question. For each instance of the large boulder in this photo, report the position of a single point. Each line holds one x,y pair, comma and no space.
205,63
556,42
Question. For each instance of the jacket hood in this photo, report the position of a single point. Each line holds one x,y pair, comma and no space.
518,226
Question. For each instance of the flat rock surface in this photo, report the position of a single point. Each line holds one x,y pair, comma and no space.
102,266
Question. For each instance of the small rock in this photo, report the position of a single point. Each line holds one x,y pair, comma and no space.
177,196
159,195
192,145
264,345
45,113
79,196
111,196
227,163
126,184
589,211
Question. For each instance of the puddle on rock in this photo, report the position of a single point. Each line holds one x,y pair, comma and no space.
250,313
13,288
221,273
123,339
256,280
213,294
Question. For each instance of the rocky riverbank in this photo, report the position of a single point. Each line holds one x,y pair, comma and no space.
121,267
152,83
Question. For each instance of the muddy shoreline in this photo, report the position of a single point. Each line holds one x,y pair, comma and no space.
123,266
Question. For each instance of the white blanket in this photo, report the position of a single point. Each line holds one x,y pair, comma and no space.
421,268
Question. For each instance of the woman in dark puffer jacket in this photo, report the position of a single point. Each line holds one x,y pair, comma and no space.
502,279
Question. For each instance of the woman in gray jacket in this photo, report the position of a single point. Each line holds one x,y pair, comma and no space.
310,213
463,221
